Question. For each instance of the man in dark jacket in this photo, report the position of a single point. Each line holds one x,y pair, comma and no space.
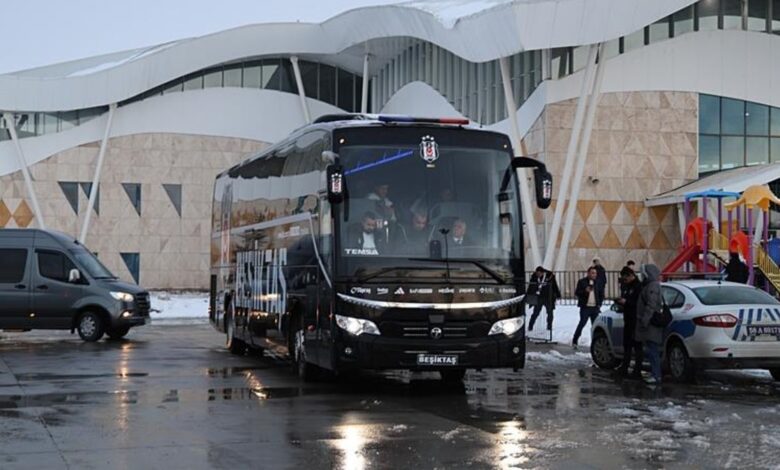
736,270
629,296
590,296
601,274
651,336
542,291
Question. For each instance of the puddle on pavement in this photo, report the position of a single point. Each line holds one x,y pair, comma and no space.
53,377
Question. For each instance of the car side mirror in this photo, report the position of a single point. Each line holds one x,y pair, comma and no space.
74,276
543,180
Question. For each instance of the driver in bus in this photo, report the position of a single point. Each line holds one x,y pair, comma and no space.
458,235
367,236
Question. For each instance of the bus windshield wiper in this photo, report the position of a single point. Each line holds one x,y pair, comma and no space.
391,269
476,263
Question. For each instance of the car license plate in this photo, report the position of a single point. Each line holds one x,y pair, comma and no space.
437,360
759,330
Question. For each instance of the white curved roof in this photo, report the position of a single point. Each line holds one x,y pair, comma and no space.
477,30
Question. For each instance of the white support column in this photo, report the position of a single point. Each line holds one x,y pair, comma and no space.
364,97
96,179
681,221
525,192
10,123
301,91
568,166
583,156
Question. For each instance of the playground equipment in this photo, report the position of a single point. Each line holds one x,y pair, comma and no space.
704,244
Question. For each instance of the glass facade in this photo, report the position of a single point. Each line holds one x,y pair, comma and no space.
735,133
29,124
474,89
705,15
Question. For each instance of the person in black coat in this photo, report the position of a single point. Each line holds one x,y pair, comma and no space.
630,289
601,274
542,291
590,297
366,237
736,270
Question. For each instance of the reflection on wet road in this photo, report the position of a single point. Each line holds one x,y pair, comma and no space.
171,397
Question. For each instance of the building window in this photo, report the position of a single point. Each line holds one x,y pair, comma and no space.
732,117
732,14
133,191
708,14
682,21
758,14
133,263
71,192
174,194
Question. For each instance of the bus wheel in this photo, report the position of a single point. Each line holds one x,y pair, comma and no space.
301,366
233,344
453,376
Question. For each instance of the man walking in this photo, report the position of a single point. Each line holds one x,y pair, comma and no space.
651,336
590,296
542,291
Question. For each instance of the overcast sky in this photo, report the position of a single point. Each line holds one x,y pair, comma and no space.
44,32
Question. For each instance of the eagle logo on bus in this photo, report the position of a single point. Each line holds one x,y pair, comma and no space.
429,150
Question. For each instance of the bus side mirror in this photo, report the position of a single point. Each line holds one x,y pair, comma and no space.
335,177
542,179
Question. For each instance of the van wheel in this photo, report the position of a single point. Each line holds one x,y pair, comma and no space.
601,351
234,345
118,332
90,326
679,364
775,373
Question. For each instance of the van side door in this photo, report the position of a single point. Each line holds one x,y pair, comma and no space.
54,298
14,288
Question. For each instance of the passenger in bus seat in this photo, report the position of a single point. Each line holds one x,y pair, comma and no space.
419,233
367,235
384,206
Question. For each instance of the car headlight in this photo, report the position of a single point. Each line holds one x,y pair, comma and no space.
508,327
357,326
123,296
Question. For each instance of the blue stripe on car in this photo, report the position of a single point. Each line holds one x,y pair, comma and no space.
739,325
684,328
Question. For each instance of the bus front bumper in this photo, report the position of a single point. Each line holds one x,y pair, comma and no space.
377,352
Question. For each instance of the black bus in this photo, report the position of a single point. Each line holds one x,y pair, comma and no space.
375,242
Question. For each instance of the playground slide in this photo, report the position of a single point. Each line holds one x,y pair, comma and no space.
686,255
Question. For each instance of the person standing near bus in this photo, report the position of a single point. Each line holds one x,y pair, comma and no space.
651,336
630,289
590,296
542,291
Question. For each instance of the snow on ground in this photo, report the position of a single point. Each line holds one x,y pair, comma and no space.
565,321
180,306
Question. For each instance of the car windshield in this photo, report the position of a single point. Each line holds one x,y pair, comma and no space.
403,208
92,265
733,295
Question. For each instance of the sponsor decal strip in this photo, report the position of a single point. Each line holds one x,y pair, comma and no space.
432,306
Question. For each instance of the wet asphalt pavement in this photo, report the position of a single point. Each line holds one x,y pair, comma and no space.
170,397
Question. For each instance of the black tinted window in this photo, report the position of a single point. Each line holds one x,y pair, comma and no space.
12,264
54,265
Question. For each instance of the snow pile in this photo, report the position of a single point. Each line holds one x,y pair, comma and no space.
565,320
180,306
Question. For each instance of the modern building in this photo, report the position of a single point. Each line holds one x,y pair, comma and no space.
683,90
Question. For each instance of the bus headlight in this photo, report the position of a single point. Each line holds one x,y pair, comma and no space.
357,326
123,296
508,327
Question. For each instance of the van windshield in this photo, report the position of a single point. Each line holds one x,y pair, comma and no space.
92,265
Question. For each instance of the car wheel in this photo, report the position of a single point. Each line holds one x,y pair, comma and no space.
775,373
233,344
453,376
679,363
117,333
601,351
90,326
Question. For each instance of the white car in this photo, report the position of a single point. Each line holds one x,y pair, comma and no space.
717,325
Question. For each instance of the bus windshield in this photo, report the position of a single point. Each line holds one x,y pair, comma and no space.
419,204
